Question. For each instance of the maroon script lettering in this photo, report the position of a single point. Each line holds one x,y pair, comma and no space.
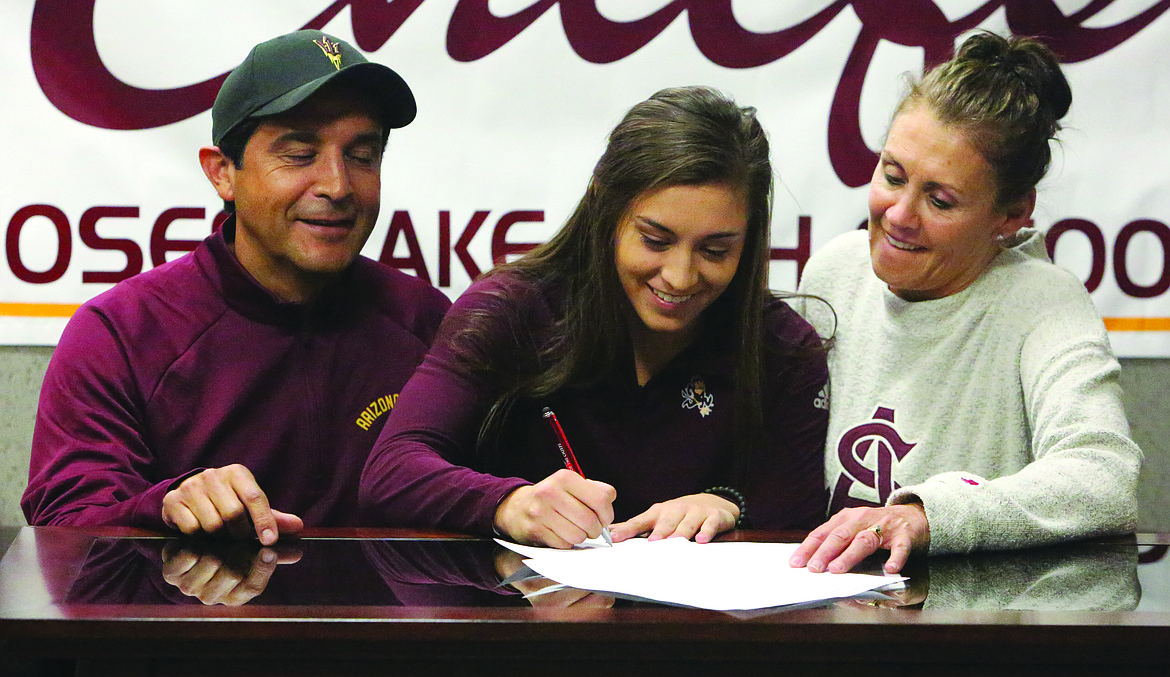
71,74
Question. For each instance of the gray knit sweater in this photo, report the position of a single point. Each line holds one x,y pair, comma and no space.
998,407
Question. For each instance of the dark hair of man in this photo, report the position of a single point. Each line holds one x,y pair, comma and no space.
232,146
679,137
1008,95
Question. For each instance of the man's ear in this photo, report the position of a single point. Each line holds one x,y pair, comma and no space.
1018,216
220,170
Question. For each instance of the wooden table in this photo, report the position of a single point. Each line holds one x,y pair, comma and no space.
363,602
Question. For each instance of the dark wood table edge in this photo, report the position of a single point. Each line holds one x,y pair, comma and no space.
676,639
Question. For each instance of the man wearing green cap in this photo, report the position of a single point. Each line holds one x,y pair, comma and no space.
240,388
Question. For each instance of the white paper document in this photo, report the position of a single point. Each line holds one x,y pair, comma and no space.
720,576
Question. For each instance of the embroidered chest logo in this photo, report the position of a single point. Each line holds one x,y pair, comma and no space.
331,49
868,454
695,396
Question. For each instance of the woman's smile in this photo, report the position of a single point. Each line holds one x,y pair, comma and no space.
676,250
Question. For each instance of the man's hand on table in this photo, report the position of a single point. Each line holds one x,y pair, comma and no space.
226,498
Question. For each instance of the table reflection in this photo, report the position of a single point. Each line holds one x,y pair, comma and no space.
469,573
1073,577
210,571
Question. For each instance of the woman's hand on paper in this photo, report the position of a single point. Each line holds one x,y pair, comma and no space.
856,533
698,516
560,511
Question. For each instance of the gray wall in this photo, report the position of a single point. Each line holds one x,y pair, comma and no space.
21,371
22,368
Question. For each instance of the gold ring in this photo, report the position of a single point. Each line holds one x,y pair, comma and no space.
877,530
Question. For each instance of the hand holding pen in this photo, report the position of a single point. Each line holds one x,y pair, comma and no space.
560,511
569,458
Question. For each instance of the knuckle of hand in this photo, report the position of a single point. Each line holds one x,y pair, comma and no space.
208,523
232,511
842,534
188,488
533,511
236,470
251,588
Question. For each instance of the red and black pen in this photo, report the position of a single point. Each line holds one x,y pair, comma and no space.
567,455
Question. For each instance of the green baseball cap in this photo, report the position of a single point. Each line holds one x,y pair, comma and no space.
284,71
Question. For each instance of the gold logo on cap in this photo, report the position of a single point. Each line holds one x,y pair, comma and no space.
331,49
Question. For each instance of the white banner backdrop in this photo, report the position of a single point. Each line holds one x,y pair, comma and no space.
107,102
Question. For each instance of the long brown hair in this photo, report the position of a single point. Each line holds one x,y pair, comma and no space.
679,136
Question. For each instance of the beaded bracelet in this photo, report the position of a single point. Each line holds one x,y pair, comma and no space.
735,497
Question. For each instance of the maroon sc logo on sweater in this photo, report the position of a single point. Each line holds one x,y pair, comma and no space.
877,439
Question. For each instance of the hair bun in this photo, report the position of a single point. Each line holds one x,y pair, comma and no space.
1028,59
1050,85
1013,91
984,47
